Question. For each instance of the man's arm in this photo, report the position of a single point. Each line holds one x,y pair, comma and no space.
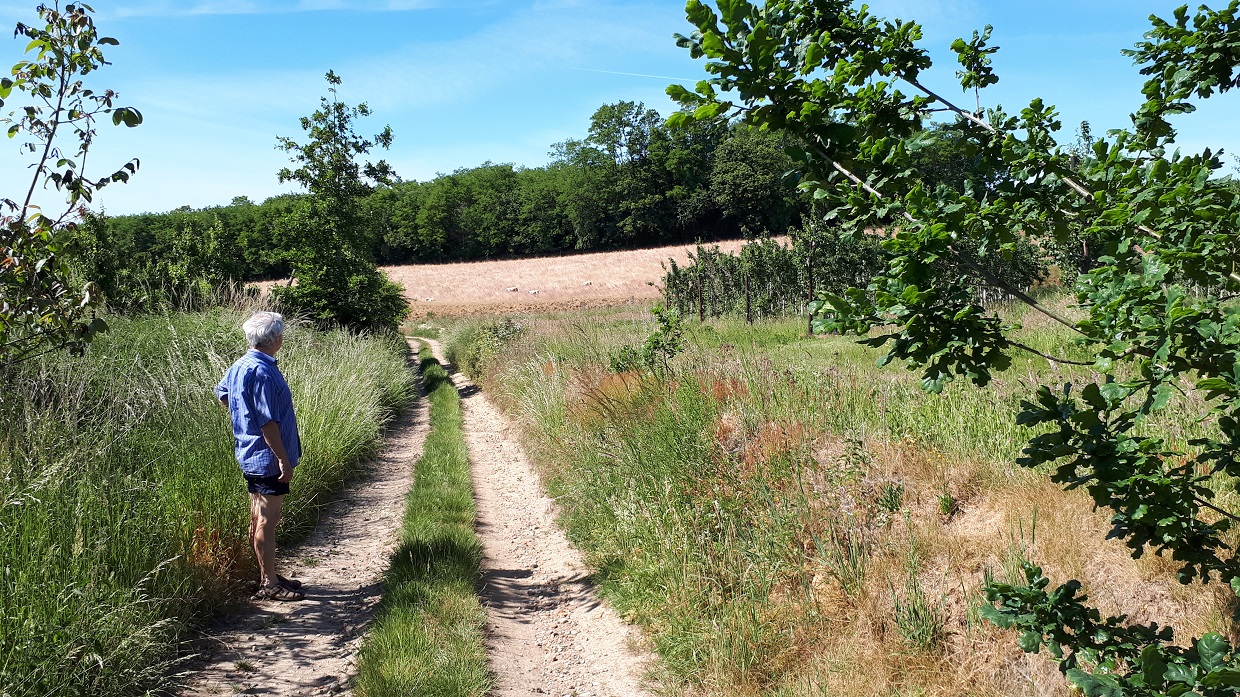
271,434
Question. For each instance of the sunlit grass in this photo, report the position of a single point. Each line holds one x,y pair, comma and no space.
123,514
427,637
781,516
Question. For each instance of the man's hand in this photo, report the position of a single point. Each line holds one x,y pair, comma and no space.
271,433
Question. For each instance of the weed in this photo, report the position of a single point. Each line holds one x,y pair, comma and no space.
660,347
891,496
845,553
948,505
920,621
1016,556
246,667
857,457
273,620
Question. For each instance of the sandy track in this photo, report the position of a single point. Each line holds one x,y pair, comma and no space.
547,632
310,647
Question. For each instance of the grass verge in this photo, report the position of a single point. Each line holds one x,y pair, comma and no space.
781,517
123,514
427,638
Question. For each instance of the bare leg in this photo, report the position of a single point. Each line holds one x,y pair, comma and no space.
264,516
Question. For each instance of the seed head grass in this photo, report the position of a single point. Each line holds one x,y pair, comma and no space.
123,514
783,517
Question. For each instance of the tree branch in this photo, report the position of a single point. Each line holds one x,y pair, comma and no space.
1206,504
964,258
1072,183
1050,358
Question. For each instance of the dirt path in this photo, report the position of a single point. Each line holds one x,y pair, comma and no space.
309,647
547,632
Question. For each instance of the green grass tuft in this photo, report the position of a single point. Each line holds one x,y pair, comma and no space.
427,638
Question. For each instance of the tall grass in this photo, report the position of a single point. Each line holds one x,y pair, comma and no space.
783,517
122,510
427,638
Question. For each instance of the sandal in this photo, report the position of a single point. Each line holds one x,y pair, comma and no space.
278,592
290,583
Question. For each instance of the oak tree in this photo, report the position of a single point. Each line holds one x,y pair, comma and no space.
1159,307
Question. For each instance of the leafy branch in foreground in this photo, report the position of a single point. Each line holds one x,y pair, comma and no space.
1158,309
39,307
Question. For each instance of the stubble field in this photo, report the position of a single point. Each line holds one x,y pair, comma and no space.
543,284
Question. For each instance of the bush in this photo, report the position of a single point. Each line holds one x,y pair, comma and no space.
360,297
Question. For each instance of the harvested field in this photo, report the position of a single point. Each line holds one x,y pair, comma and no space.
576,282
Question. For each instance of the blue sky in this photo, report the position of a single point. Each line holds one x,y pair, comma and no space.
468,81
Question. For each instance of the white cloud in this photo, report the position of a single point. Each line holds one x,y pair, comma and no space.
505,88
166,8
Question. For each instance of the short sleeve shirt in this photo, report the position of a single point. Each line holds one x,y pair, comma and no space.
257,394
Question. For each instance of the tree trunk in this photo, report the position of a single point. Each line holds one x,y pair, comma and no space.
701,305
809,265
748,304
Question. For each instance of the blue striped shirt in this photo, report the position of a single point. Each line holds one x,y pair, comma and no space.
257,394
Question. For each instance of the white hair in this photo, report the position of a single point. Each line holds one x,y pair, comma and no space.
263,328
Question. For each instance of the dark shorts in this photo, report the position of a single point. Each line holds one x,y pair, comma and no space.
267,486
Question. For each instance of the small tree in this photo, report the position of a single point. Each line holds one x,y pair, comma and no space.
336,277
40,309
1161,301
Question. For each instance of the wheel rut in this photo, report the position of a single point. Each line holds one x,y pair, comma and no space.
547,631
310,647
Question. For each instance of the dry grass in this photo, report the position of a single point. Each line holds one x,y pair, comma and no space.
778,401
474,288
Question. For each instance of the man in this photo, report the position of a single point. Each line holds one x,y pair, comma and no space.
267,443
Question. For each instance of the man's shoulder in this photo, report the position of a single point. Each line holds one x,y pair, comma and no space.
247,365
258,366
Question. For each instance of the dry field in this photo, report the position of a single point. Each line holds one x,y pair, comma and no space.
582,281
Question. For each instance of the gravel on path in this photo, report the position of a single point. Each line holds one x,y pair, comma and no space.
547,631
310,647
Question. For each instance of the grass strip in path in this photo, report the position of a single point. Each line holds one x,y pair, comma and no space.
428,636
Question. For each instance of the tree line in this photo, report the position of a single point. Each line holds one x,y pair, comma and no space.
631,182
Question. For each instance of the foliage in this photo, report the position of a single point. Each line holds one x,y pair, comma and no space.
482,342
749,184
769,279
831,75
663,186
330,254
659,349
40,307
919,620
